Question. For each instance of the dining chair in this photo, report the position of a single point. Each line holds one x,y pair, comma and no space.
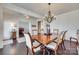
34,32
63,35
75,40
77,35
30,47
56,31
54,45
74,45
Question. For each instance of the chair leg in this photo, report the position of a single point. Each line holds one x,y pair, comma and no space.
27,51
48,52
55,52
43,51
77,51
63,45
60,46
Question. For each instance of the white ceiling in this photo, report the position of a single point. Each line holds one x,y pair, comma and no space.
42,8
11,15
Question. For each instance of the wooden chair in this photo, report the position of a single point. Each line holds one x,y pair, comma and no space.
75,40
34,32
63,39
75,45
56,31
35,43
55,44
30,47
77,35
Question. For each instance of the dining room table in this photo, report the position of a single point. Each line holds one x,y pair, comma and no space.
44,38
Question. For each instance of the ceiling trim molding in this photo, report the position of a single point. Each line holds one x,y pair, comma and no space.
21,10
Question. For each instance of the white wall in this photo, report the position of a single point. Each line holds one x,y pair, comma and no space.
24,25
23,12
67,21
20,22
27,25
8,28
1,27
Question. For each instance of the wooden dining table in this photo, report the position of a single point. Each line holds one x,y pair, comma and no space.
44,39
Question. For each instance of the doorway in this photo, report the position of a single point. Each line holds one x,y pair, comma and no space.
39,27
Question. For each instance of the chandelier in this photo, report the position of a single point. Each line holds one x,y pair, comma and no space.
50,17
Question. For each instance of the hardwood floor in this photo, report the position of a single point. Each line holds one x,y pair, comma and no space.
14,49
20,49
68,51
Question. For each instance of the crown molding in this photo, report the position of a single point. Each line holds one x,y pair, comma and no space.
21,10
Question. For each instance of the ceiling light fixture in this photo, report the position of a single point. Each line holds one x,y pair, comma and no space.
27,17
50,17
